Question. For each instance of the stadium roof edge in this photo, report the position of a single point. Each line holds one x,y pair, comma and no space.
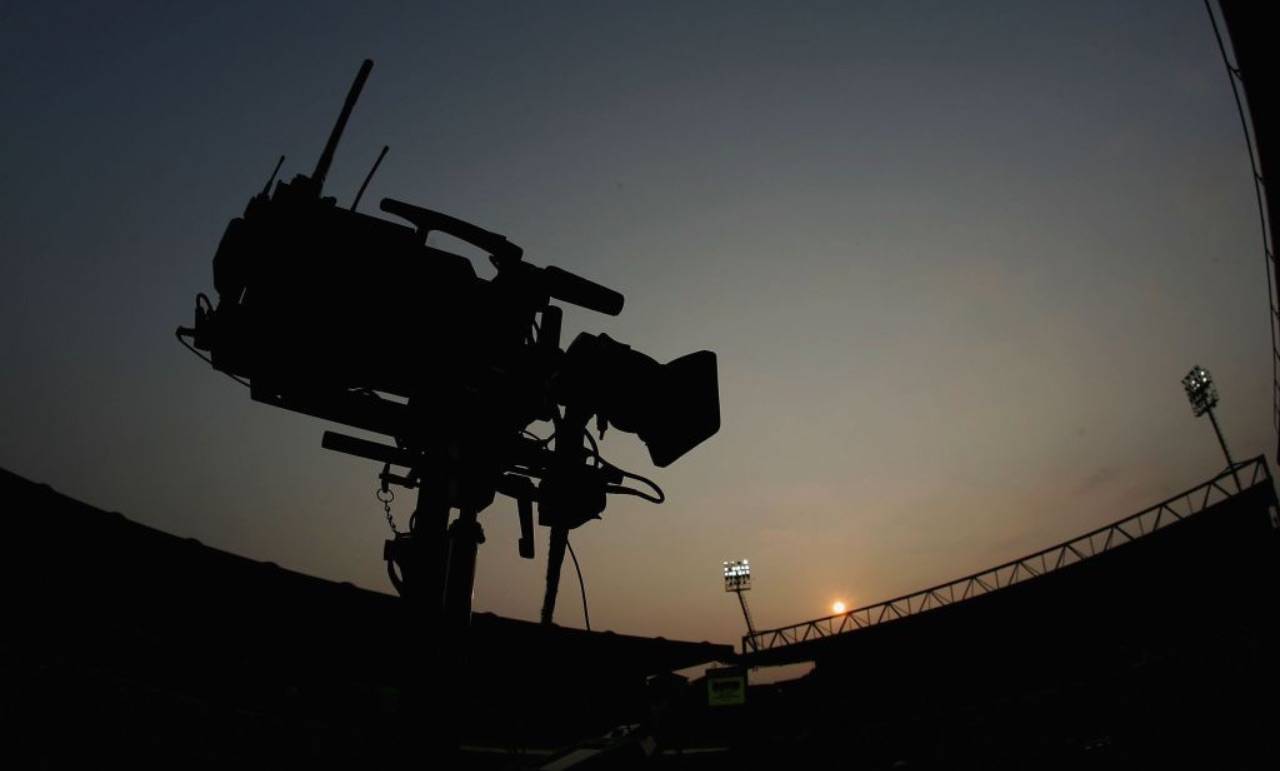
1242,478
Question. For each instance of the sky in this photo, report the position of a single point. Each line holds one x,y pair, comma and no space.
954,260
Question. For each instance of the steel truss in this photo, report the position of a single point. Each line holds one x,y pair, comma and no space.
1226,484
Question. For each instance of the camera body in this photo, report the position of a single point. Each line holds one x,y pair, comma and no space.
321,308
355,319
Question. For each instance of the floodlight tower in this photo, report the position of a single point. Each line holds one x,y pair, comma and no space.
1203,395
737,579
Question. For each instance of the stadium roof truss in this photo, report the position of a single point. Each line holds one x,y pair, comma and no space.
1079,549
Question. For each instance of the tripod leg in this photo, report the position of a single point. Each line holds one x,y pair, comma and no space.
424,567
420,554
465,537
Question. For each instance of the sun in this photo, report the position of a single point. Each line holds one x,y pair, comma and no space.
837,607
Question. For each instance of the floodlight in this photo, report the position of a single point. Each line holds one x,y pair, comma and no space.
1201,391
737,576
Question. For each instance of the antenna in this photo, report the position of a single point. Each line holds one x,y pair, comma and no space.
326,157
372,171
266,189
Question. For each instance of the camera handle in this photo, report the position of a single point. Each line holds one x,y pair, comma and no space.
555,282
428,221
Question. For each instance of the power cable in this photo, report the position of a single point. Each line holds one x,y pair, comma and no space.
207,360
581,584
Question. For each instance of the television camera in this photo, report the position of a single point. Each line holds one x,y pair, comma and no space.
357,320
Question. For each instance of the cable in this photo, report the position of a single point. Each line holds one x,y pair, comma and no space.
657,497
581,584
207,360
595,449
1233,74
624,490
661,496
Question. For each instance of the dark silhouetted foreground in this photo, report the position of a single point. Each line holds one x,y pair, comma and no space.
138,646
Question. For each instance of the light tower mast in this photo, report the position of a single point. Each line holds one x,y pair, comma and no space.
737,579
1203,395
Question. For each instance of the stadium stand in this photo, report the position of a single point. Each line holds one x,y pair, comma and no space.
1150,642
1158,650
134,645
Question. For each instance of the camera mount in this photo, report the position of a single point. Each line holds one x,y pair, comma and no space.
357,320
